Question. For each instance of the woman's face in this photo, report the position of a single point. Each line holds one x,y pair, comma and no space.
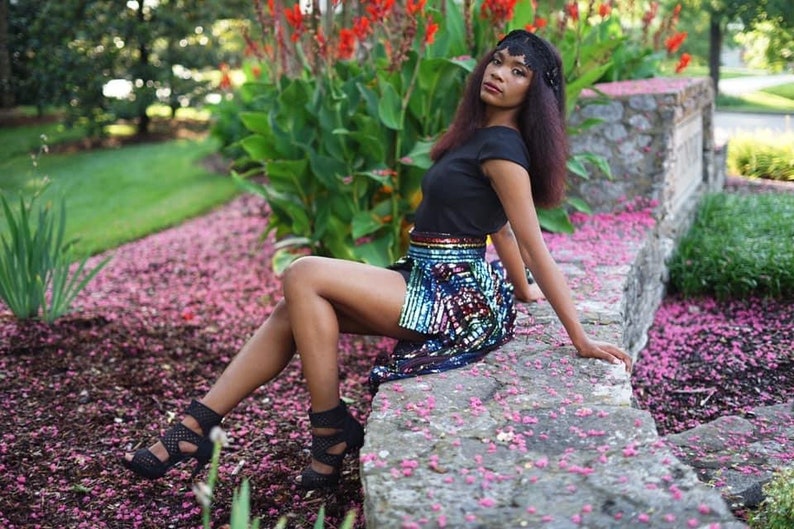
506,81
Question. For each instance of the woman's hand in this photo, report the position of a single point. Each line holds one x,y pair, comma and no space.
605,351
529,294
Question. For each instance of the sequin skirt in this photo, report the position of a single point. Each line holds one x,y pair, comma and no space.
459,300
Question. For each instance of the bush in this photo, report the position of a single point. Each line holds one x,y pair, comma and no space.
764,155
35,275
777,509
738,245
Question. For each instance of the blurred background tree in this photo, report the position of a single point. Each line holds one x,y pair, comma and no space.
64,53
771,18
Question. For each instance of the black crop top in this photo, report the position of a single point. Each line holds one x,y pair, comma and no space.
457,197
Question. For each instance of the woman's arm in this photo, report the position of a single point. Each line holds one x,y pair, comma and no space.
511,183
506,246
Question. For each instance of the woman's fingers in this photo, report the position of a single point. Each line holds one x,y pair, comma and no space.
610,353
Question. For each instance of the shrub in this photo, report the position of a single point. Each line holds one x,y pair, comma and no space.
36,279
738,245
777,509
762,155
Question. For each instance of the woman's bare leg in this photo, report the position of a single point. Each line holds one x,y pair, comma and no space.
260,360
326,297
322,297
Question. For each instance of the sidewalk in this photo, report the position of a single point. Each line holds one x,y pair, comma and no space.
737,86
727,124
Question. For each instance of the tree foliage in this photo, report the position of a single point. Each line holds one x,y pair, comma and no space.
750,14
64,52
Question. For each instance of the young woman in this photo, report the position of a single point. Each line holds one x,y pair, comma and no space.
503,155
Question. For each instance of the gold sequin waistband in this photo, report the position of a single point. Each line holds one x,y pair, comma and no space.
445,241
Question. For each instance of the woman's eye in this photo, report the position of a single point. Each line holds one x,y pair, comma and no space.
518,72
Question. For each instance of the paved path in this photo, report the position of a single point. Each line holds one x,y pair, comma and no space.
727,124
743,85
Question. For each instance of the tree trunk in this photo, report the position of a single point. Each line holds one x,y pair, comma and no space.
143,62
6,93
715,49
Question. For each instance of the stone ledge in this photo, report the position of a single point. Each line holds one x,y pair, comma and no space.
534,436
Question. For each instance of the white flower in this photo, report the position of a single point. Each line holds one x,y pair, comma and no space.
203,493
218,435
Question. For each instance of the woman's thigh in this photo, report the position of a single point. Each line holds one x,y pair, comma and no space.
367,299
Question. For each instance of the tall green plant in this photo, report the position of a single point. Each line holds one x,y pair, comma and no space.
343,110
36,279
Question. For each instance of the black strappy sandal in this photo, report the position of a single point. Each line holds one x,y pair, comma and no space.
348,431
147,465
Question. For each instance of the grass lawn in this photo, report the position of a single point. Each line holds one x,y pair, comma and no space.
702,70
776,99
114,196
761,101
783,90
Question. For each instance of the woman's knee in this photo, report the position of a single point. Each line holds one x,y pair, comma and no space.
299,274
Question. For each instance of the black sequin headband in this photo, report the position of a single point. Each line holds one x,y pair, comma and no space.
538,57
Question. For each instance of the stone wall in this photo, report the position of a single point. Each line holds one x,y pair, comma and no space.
658,137
535,436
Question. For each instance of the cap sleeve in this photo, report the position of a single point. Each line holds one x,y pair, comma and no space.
503,143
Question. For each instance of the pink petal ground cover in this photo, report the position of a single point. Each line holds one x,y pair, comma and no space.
160,322
707,358
153,331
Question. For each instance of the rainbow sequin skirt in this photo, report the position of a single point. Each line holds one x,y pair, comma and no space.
459,300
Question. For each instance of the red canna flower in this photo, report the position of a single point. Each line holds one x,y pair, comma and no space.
430,32
347,44
415,6
673,42
271,7
379,9
539,23
497,11
573,11
361,27
604,10
677,10
257,71
294,18
226,79
683,62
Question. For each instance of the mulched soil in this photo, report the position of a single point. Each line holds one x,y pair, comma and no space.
154,330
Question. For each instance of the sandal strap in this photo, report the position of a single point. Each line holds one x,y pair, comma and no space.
205,417
178,433
322,443
333,418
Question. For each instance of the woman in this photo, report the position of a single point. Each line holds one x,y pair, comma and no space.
503,155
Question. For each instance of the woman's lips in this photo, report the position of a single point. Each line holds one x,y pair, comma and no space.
490,87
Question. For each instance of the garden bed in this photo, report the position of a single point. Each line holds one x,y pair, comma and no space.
154,330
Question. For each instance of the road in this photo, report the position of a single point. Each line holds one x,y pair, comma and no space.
743,85
727,124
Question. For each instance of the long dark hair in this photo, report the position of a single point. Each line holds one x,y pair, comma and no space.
541,121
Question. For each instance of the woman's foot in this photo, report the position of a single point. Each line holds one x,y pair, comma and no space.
189,439
335,433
